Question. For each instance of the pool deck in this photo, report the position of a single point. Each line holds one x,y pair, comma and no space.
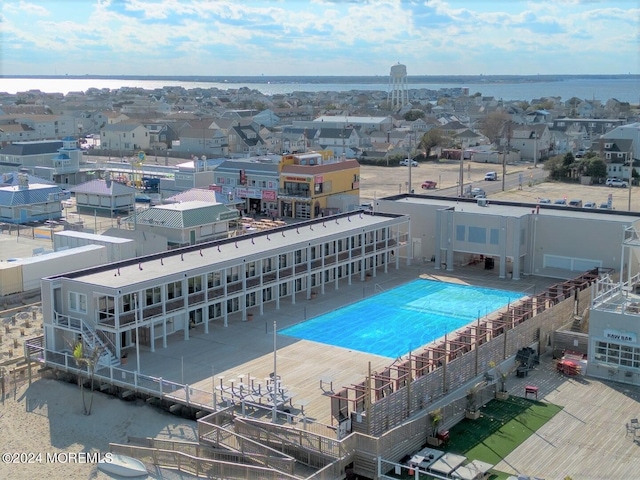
245,349
586,440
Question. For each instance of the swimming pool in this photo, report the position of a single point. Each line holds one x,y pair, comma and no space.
395,322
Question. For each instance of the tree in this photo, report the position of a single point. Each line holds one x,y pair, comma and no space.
88,361
494,125
436,417
413,114
431,139
596,168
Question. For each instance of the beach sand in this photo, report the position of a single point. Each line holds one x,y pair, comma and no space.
47,417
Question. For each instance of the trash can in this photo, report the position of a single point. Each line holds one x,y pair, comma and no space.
488,263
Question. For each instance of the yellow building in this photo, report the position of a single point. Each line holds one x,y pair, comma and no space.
314,184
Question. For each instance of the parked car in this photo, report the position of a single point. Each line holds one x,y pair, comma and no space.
561,201
544,200
605,206
575,203
478,193
429,184
614,182
491,176
405,162
590,205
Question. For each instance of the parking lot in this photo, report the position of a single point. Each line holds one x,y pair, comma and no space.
378,182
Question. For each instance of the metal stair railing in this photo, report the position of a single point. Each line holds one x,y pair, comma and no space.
92,338
94,341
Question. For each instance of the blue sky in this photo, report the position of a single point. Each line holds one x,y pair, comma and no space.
318,37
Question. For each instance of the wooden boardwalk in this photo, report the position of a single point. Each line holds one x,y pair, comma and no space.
588,439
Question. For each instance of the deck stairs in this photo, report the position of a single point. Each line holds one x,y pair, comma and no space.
92,339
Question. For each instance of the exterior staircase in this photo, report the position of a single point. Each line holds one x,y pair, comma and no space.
97,339
92,338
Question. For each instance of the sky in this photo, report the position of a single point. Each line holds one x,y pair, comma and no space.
318,37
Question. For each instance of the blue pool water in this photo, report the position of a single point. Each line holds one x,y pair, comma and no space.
395,322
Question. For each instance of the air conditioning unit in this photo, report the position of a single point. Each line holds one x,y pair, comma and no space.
482,202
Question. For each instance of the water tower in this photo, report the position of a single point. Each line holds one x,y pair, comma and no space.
399,94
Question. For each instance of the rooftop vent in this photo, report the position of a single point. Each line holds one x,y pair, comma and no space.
482,202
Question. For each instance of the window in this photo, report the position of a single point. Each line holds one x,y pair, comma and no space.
460,231
213,279
153,296
77,302
174,290
127,302
617,354
494,236
195,284
477,235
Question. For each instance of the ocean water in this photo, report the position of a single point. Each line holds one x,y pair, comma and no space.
625,89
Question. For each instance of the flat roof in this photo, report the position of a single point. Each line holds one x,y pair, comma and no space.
512,209
92,236
144,269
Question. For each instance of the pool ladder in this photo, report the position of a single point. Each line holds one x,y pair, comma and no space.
378,288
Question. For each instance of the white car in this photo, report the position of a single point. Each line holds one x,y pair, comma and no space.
614,182
405,162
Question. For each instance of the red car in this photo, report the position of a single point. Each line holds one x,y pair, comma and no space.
429,184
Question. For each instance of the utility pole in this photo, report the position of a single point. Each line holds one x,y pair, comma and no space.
630,176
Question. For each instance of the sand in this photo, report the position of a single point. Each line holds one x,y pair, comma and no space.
47,417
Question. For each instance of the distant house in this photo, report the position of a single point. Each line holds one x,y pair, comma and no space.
124,137
337,138
533,141
104,195
30,202
267,117
57,161
246,141
202,141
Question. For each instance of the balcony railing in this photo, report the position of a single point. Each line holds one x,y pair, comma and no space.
283,192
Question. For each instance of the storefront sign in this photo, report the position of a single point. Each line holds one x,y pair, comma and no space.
247,193
318,179
618,336
297,179
269,195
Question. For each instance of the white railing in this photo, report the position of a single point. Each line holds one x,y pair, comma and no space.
154,386
90,336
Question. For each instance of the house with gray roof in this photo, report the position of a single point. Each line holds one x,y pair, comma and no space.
104,196
246,141
185,223
55,160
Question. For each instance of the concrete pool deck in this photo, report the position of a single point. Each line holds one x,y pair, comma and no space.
245,349
586,440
